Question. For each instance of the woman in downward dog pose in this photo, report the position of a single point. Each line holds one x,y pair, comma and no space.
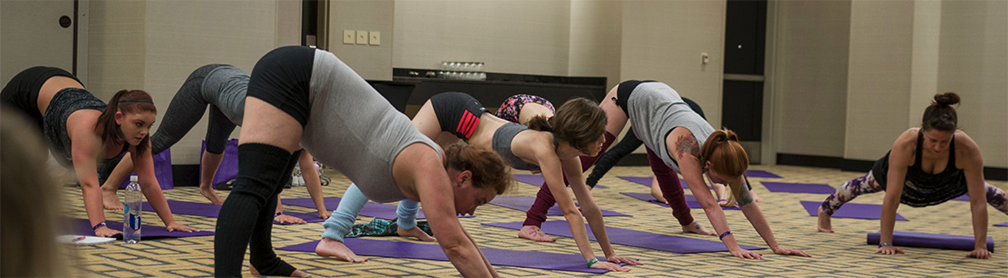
928,165
521,108
679,139
299,96
82,130
221,88
550,146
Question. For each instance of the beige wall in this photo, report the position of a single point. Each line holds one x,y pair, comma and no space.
808,79
510,36
662,40
595,39
155,45
878,84
373,62
974,64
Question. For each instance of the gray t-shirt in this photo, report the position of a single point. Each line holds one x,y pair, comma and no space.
654,110
225,88
353,129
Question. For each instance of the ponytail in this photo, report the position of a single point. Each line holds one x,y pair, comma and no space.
727,157
940,115
126,101
580,122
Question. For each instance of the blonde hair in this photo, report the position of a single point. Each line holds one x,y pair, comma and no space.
727,158
30,203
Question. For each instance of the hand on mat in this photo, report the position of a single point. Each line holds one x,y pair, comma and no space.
619,259
889,250
179,227
609,266
324,214
789,251
980,253
746,254
104,231
287,219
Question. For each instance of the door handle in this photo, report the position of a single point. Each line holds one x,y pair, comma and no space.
64,21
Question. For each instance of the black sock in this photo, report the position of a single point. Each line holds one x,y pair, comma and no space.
259,174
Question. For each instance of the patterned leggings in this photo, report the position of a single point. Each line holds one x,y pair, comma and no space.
511,108
866,184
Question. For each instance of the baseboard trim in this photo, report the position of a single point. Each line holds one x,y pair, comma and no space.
857,165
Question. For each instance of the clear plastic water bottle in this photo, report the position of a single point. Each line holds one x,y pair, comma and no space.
132,211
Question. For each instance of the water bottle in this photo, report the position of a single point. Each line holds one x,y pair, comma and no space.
131,212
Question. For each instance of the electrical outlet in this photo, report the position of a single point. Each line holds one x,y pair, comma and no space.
349,36
375,38
362,37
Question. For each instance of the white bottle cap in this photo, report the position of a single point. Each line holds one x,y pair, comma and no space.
133,178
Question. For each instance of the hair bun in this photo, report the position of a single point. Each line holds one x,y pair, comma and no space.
947,98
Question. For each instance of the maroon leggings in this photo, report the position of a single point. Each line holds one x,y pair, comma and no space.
544,199
668,182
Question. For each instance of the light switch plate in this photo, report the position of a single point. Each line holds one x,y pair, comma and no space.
349,36
375,38
362,37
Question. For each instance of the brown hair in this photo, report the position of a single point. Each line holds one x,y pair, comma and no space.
940,115
488,170
30,204
579,122
727,157
127,101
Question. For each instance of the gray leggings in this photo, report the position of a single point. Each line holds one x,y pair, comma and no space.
185,110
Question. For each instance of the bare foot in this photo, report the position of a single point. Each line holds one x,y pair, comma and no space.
211,195
697,229
296,273
535,234
333,248
415,232
110,200
755,197
825,224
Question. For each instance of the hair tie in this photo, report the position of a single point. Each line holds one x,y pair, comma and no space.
135,100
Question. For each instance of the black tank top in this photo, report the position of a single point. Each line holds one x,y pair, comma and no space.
921,188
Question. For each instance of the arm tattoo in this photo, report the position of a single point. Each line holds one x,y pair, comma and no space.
686,144
744,198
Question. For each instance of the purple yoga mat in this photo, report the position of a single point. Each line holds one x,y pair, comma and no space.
964,197
1005,224
83,227
646,181
796,187
211,210
850,210
675,244
760,174
690,200
538,180
371,209
524,203
431,251
162,171
925,240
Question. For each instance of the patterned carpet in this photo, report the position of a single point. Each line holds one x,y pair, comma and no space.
843,254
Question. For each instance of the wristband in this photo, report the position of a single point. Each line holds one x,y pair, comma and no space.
98,225
721,237
884,244
593,261
278,214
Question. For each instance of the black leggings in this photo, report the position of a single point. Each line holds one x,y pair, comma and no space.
185,110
